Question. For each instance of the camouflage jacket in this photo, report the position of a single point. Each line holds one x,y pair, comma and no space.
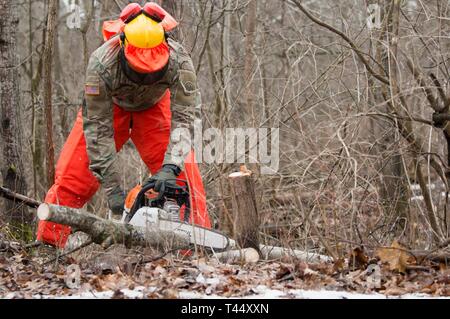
106,83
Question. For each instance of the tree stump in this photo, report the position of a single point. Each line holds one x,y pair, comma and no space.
246,219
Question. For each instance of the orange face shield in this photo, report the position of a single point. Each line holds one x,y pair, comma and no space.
147,60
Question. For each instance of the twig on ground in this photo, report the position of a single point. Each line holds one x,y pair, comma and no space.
84,245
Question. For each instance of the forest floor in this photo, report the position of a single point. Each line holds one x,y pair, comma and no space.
25,275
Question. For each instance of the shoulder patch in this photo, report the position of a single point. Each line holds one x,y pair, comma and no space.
188,82
92,89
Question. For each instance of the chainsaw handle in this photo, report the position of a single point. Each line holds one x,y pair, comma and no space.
164,187
162,192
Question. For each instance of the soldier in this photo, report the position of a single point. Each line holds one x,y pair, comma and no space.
140,84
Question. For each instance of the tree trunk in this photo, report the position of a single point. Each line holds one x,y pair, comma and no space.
245,210
10,129
225,62
48,60
63,129
393,188
90,9
250,57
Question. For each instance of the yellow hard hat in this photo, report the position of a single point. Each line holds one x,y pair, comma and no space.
144,33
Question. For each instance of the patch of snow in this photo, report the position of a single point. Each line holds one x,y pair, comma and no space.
200,279
260,292
416,187
263,292
138,293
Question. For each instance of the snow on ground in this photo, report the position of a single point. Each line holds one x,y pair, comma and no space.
261,292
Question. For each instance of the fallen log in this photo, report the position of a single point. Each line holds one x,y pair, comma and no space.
272,252
9,194
106,232
244,256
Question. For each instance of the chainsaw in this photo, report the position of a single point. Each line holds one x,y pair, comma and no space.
162,212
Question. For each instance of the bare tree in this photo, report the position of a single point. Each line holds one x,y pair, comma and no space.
48,85
249,65
10,116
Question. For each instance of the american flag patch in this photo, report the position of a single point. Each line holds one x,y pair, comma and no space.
92,89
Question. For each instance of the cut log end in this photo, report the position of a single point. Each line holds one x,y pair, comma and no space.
239,174
44,212
251,256
246,256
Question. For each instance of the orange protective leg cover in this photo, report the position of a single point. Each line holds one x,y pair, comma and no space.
150,135
75,184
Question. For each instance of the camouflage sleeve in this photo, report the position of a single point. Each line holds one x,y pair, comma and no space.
185,106
99,130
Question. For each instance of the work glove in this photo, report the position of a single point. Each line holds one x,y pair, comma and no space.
116,201
166,176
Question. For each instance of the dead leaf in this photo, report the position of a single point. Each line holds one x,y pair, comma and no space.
396,256
284,273
206,269
394,291
118,294
170,293
236,281
22,278
180,283
358,259
96,283
160,271
339,265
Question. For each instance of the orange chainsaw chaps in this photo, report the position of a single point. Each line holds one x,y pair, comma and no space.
199,215
75,184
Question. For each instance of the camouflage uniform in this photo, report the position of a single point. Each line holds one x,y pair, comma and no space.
107,84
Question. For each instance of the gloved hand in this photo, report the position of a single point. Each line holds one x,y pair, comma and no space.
166,176
116,201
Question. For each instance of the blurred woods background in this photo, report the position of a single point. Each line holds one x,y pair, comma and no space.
362,109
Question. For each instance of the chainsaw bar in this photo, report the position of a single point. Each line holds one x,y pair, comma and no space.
148,217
